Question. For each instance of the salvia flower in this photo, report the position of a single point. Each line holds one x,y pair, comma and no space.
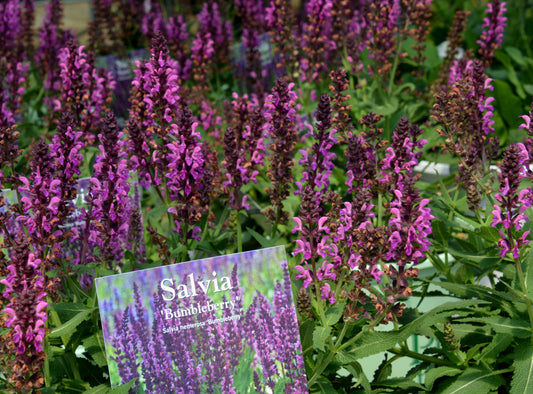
316,44
26,315
187,175
51,39
453,48
220,31
512,203
382,31
41,198
280,116
311,225
85,89
418,14
13,69
280,19
177,42
107,216
464,110
493,28
155,104
202,56
244,149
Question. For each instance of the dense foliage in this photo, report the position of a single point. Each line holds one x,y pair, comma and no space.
182,131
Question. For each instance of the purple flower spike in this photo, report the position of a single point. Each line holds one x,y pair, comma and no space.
316,43
280,115
244,149
220,31
109,203
188,176
493,28
512,204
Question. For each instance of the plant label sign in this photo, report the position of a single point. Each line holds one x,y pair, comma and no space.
223,324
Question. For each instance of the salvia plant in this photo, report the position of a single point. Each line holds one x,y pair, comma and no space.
387,144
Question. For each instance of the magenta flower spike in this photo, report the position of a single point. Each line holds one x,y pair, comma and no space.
509,213
493,28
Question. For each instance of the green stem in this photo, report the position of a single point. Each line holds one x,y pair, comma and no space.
329,358
522,281
421,357
239,232
450,217
276,222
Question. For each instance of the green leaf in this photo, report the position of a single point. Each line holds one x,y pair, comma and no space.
102,388
123,388
527,268
320,336
306,333
400,383
475,380
523,366
440,314
74,386
507,103
324,386
264,242
513,78
462,330
68,328
516,55
371,343
94,345
502,325
383,371
488,233
357,372
436,373
499,343
468,291
334,313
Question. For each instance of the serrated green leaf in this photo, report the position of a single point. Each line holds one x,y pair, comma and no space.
523,366
439,314
400,383
320,336
67,310
334,313
499,343
506,101
516,55
324,386
74,386
436,373
488,233
475,380
123,388
100,389
468,291
476,258
371,343
68,328
306,333
527,268
502,325
264,242
462,330
94,345
357,372
440,231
